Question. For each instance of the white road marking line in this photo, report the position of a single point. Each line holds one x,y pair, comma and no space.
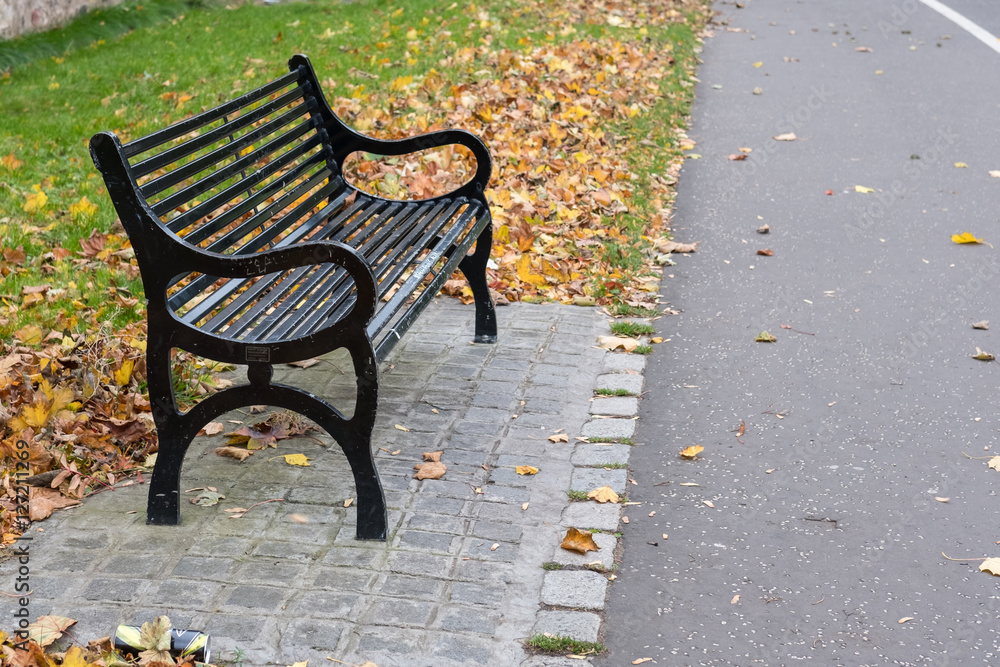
970,26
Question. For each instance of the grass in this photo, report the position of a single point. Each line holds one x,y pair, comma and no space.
551,644
612,466
132,68
552,565
600,439
577,496
643,349
631,329
612,392
626,310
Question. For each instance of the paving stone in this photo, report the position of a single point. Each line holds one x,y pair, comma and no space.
421,564
462,650
615,406
614,381
67,560
391,640
345,579
270,571
483,572
478,594
232,630
354,558
621,363
580,625
328,603
291,550
550,661
580,589
605,555
398,585
182,594
592,454
416,539
401,613
45,586
505,494
587,479
469,619
615,429
201,567
487,415
484,550
259,598
592,515
497,531
115,590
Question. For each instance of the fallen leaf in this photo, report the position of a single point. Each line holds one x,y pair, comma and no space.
995,463
558,437
764,229
905,619
941,500
579,542
673,246
433,457
995,173
213,428
709,503
207,498
299,518
787,136
690,484
402,428
614,343
526,470
985,324
306,363
863,49
961,165
991,565
430,470
524,506
691,452
982,356
736,598
759,64
738,157
641,660
297,459
624,519
764,337
863,190
43,501
603,494
237,453
47,629
966,237
766,252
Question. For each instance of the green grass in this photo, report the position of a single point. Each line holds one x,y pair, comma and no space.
129,70
552,565
577,496
643,349
624,441
612,392
631,329
626,310
550,644
612,466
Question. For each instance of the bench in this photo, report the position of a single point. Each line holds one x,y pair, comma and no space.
254,250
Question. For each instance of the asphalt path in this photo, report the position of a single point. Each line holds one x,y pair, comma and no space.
817,535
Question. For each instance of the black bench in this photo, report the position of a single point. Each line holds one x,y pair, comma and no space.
254,250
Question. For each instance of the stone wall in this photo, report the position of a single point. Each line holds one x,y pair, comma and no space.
18,17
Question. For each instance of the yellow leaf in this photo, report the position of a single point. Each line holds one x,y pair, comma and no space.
297,459
617,343
526,470
402,428
991,565
603,494
36,414
74,658
966,237
35,202
525,274
578,541
764,337
11,163
582,157
84,208
961,165
759,64
691,452
862,189
124,373
304,663
982,356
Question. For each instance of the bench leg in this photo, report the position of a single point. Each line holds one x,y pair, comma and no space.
473,267
163,504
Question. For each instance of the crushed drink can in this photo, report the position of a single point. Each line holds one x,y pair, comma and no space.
183,643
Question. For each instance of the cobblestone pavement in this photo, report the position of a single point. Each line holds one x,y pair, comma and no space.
460,579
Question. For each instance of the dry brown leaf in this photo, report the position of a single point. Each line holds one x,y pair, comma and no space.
431,470
348,502
691,452
603,494
402,428
43,501
709,503
579,541
617,343
299,518
905,619
233,452
766,252
736,598
673,246
995,463
764,229
985,324
558,437
213,428
526,470
639,661
433,456
983,356
624,519
787,136
991,565
306,363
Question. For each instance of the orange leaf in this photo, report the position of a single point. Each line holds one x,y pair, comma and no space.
430,470
691,452
579,541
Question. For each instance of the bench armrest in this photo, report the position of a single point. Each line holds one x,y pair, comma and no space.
484,163
283,259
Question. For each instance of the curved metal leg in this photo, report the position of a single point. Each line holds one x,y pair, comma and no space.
473,267
163,502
